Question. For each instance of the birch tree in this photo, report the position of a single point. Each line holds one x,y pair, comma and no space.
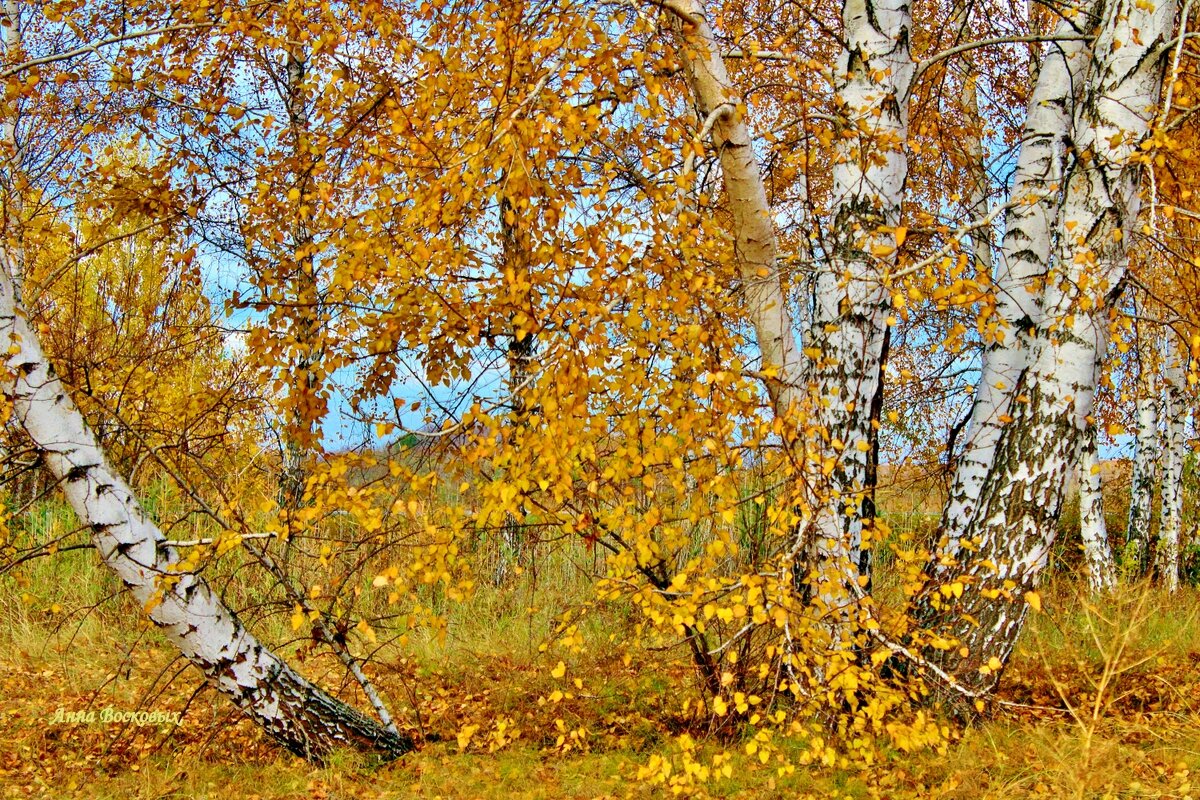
1145,461
1030,222
297,713
1097,555
707,292
1014,527
301,716
872,82
299,430
845,337
1073,207
522,344
1175,417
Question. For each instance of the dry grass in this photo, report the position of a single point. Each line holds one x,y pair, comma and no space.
1106,694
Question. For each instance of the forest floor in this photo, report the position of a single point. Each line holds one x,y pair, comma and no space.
1108,706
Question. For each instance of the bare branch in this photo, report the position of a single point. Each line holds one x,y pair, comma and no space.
95,47
926,63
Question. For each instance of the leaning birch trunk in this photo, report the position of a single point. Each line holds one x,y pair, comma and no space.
1145,465
292,710
1170,525
1024,254
1014,527
753,226
1097,555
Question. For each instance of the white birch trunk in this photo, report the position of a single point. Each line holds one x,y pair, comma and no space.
1145,467
977,175
753,226
1097,555
872,81
295,712
1170,526
1013,529
299,429
1025,252
848,328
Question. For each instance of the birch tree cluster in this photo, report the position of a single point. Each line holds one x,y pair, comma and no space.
674,283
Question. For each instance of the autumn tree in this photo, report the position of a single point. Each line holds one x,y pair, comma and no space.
647,249
189,613
126,321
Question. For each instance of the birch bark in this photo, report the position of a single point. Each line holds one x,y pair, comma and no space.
979,181
295,712
1014,525
1170,524
1145,465
872,80
1097,556
1025,252
755,247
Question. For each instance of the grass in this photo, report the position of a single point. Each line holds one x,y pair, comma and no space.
1105,702
1144,745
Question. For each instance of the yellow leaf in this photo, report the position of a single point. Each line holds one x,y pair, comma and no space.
559,671
1034,600
464,736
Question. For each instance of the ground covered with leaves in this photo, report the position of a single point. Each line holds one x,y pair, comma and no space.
1103,700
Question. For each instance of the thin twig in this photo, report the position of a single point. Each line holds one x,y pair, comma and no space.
95,47
206,542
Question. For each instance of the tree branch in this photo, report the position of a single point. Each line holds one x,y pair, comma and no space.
95,47
926,63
